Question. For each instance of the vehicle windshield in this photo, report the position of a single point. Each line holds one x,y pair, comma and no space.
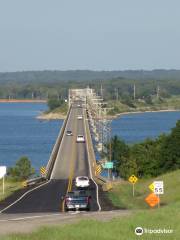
77,194
82,178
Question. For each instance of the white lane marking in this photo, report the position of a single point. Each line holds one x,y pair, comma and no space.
97,188
24,196
74,213
31,217
64,216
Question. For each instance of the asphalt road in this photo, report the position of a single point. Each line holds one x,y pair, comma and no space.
71,161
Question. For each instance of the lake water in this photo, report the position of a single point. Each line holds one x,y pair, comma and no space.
138,126
21,134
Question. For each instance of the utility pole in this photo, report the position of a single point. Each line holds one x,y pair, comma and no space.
157,91
69,98
101,91
110,147
134,92
116,93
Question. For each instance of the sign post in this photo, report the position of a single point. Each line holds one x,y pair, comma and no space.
2,174
3,185
108,166
133,189
133,179
158,189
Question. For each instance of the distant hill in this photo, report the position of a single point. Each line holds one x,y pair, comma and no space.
87,75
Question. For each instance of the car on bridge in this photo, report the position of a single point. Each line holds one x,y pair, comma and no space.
80,139
79,117
77,200
82,182
68,133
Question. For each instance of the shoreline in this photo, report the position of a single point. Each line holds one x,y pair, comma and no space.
145,111
51,116
60,116
22,101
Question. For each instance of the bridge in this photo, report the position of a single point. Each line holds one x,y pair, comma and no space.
68,160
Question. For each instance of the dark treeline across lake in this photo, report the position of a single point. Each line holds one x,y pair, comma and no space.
22,134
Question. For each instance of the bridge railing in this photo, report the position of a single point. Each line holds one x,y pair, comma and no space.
55,150
92,156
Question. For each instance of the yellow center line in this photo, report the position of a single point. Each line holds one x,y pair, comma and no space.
72,163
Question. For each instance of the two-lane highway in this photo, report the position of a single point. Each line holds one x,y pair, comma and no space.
71,161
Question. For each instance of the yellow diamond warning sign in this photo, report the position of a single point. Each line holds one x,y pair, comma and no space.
133,179
151,187
24,184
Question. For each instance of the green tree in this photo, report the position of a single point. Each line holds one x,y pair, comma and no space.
128,167
54,103
22,169
146,156
148,100
170,150
126,99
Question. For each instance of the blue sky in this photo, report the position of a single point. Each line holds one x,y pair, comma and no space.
89,34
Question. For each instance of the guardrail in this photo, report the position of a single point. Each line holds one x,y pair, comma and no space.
98,178
55,150
33,181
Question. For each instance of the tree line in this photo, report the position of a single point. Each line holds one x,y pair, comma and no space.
111,85
149,158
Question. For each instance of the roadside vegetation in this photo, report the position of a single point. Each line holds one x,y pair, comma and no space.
55,104
117,229
149,158
22,170
121,194
16,176
11,186
57,109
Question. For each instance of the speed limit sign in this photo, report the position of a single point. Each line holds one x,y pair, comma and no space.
158,187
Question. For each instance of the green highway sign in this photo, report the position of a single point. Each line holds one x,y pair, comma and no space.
108,165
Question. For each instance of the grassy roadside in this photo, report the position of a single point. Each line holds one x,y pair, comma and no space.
10,188
121,194
116,229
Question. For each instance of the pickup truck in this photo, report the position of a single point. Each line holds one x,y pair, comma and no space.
77,200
